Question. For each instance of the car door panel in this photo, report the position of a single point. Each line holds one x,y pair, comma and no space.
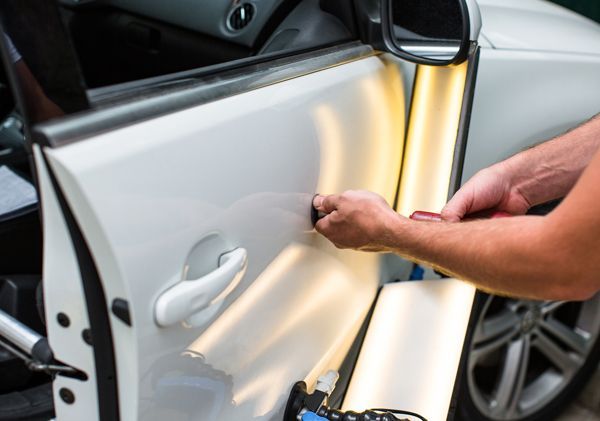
506,74
244,167
63,294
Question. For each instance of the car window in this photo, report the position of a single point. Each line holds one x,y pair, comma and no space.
71,52
587,8
125,40
44,69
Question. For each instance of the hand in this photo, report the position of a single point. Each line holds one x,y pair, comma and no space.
359,220
489,189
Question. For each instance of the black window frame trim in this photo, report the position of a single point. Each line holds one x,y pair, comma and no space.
108,93
178,92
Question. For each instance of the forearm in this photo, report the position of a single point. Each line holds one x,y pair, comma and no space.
39,106
550,170
515,256
551,257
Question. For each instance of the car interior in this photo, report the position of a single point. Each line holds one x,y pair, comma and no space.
124,40
120,41
20,265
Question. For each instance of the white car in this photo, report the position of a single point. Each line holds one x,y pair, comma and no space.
175,149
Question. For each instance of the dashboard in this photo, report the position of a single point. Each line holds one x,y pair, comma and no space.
238,21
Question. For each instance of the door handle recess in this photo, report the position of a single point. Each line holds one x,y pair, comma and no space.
188,297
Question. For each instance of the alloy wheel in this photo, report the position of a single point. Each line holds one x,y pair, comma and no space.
525,353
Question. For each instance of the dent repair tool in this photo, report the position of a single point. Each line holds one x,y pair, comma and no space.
436,217
304,406
315,215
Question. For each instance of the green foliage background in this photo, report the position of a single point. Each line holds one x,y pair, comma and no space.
589,8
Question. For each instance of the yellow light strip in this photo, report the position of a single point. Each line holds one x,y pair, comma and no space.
412,349
431,138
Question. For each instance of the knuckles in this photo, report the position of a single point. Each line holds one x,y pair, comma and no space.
353,223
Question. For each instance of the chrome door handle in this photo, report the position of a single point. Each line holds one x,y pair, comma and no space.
188,297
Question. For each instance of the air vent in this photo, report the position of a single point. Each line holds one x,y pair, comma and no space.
241,16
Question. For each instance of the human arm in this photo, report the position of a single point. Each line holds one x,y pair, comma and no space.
556,257
537,175
41,107
36,101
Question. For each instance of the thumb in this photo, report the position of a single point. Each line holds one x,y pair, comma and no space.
456,208
449,215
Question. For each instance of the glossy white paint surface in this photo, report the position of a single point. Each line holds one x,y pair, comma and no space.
246,167
410,356
474,19
63,293
523,98
537,25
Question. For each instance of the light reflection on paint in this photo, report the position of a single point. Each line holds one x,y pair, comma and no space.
387,136
331,145
433,128
259,388
381,153
307,281
232,316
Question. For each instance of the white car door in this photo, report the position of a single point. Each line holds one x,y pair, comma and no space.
181,214
160,202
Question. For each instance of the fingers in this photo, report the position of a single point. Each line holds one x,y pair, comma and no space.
451,213
323,225
317,201
327,203
458,206
326,226
454,211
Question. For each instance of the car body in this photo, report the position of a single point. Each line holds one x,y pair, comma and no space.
182,173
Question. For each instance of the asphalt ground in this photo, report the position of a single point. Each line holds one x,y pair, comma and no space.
587,405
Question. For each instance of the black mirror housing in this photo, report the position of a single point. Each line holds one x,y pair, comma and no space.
430,32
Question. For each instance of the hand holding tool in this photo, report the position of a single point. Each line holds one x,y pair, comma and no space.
436,217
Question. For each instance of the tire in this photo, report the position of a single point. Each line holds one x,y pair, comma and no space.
522,365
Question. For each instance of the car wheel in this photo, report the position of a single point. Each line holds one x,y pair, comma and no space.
528,359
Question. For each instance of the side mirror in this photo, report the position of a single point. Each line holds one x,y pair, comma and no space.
433,32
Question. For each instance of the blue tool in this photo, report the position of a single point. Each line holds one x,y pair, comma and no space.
311,416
